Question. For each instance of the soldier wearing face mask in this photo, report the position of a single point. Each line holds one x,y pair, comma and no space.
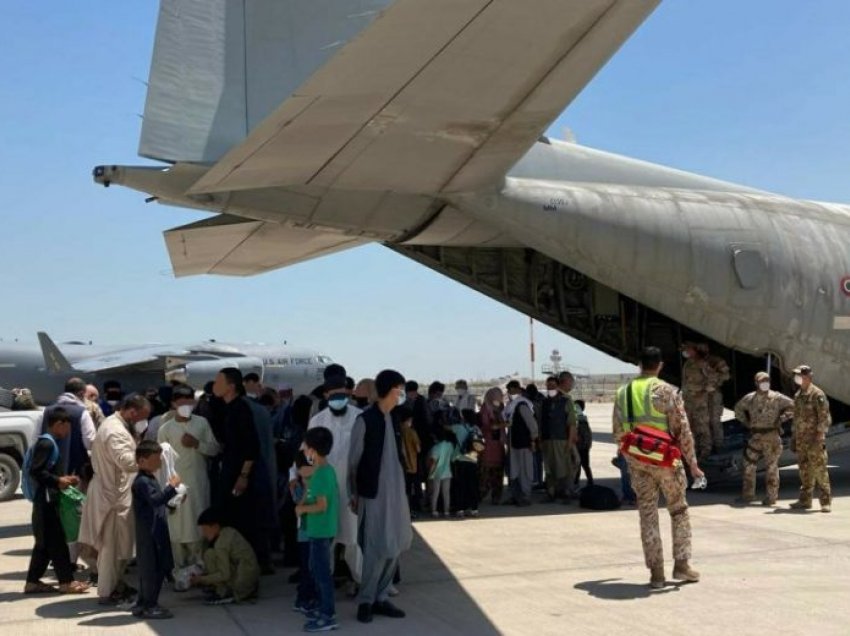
339,418
811,422
112,395
763,412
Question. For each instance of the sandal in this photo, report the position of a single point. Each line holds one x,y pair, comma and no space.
39,587
74,587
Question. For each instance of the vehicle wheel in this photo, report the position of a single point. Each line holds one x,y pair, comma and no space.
10,477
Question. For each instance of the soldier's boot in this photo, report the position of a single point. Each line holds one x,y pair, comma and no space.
768,501
682,571
744,499
801,505
656,577
826,506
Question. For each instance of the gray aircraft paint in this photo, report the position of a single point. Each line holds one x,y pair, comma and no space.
23,365
660,249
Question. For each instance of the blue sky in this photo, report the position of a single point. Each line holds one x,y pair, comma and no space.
756,92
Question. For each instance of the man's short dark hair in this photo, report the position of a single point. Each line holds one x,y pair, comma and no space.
650,358
134,401
301,459
334,369
563,375
251,377
146,448
57,415
580,404
210,517
233,377
552,378
349,383
513,384
182,392
411,385
75,386
436,387
387,380
111,384
320,439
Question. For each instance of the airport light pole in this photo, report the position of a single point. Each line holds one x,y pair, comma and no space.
531,345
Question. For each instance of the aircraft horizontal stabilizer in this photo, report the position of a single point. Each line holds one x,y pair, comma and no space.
54,360
234,246
433,96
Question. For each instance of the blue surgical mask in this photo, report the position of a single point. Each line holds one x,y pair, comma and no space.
402,398
338,402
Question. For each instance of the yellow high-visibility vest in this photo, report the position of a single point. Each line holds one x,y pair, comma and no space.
643,412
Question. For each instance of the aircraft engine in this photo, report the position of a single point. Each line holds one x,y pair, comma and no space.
197,373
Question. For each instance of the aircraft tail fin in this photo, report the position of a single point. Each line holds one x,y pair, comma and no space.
221,66
54,360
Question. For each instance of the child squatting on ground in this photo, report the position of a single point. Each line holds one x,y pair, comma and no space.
319,510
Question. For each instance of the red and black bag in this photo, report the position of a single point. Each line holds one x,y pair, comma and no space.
648,444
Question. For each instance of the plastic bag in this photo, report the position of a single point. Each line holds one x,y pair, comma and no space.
182,577
71,512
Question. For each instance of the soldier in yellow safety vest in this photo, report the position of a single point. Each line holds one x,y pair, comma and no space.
649,401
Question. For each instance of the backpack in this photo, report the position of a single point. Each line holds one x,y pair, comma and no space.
28,484
598,498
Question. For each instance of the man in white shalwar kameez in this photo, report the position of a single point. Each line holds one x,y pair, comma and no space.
107,518
192,437
339,418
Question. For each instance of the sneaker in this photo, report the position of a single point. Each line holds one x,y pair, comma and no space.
321,625
156,613
473,513
392,590
303,608
220,600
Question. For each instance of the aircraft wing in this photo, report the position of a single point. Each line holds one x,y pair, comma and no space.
433,96
238,247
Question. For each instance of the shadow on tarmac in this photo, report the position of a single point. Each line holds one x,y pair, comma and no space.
10,532
617,590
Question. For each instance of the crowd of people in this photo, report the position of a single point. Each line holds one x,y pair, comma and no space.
207,488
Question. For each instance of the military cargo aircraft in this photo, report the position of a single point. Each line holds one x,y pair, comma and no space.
306,128
45,369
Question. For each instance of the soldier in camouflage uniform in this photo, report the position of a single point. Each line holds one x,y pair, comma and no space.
763,412
811,422
648,480
717,375
697,390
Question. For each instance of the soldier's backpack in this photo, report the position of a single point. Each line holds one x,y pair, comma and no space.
28,484
598,498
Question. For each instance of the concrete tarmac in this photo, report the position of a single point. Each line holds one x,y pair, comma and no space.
547,569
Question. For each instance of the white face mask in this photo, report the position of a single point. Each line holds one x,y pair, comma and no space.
497,404
552,393
402,398
112,403
185,410
686,354
798,380
140,427
764,386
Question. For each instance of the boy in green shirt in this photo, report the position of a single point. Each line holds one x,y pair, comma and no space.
321,507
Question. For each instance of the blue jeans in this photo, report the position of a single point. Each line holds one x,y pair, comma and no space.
307,595
625,479
320,572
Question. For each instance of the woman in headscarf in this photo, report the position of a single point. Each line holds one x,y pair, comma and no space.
492,460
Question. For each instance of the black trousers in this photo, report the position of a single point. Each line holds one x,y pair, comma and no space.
584,456
151,576
49,545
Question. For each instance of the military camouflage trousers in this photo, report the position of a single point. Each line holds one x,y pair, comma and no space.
769,447
647,482
716,418
812,461
699,412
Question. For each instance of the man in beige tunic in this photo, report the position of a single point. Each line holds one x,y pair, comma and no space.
107,519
